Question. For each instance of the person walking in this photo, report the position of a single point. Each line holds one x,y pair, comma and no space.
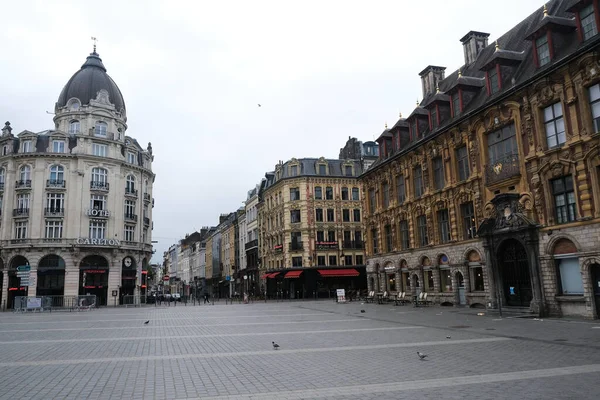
206,298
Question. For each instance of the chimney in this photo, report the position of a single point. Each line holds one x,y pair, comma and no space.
473,42
430,77
7,129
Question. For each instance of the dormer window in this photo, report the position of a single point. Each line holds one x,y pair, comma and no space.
322,169
433,114
58,146
294,170
493,80
414,132
588,21
101,129
130,157
26,146
456,103
543,50
4,150
348,170
74,127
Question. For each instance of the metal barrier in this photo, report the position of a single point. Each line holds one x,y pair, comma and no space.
54,303
133,301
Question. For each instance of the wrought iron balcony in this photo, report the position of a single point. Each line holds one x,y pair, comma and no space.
504,168
21,212
353,244
252,244
54,212
56,183
146,221
296,246
334,245
131,192
23,184
131,217
99,185
147,197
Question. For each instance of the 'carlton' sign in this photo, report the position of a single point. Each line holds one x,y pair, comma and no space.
98,242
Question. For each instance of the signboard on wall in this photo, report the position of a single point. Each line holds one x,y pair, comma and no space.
98,242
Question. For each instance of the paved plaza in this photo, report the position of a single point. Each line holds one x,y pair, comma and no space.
328,351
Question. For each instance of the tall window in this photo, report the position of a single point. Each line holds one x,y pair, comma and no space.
55,202
462,158
422,230
588,21
493,80
372,201
502,144
319,215
57,174
413,128
356,215
99,150
443,225
330,215
434,120
130,184
388,238
74,127
345,193
322,169
438,173
58,146
130,157
294,194
404,235
345,215
320,236
374,239
348,260
296,239
21,230
332,260
23,201
129,233
331,236
386,195
2,177
25,173
321,260
99,176
418,173
570,276
98,202
543,50
455,104
564,199
555,125
318,193
27,146
355,195
97,229
594,92
328,193
348,170
54,229
294,216
129,208
400,189
297,261
294,170
101,129
468,218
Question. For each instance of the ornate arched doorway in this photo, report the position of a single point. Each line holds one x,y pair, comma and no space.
51,277
515,278
15,286
93,278
128,280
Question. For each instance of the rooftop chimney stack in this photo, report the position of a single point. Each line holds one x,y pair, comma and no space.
430,77
473,42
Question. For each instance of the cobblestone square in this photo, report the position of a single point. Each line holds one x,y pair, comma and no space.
328,350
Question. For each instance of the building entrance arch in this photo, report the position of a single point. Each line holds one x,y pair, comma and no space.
51,277
15,288
515,277
93,278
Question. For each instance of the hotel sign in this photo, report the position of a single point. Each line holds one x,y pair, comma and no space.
98,213
98,242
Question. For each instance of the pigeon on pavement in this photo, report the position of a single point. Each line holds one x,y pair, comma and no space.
147,322
362,311
448,337
421,355
275,346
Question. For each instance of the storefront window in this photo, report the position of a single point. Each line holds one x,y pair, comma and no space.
570,276
429,285
446,280
392,282
477,279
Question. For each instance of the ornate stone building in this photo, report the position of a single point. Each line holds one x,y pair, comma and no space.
76,200
489,192
311,222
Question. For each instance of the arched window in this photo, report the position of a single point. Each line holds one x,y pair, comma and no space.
130,185
25,173
57,174
101,129
74,127
99,178
2,175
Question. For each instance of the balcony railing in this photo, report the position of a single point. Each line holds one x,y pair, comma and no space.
504,168
252,244
353,244
327,245
131,192
146,221
21,212
23,184
147,197
131,217
56,183
296,246
99,185
54,212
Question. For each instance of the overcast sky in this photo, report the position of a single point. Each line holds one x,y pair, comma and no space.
192,75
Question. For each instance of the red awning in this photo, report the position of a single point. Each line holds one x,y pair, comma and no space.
333,273
273,275
293,274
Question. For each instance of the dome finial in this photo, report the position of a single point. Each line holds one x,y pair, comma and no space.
459,73
545,11
400,114
386,126
95,40
497,45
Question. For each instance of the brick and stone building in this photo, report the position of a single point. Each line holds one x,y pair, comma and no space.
488,193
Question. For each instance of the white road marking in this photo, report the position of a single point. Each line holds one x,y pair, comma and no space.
247,353
394,387
171,338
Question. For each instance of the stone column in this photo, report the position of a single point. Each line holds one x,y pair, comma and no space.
491,271
537,304
4,290
114,281
71,281
32,290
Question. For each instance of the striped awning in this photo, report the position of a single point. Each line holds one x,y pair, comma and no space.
293,274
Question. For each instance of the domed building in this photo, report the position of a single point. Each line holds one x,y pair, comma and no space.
76,201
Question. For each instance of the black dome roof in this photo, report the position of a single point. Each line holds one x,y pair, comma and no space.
90,79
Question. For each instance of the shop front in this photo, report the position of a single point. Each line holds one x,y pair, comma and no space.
15,286
51,278
93,278
128,280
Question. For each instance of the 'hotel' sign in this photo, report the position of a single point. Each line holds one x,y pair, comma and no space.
98,213
98,242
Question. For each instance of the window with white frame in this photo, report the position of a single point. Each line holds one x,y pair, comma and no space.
58,146
418,181
594,93
564,199
99,175
130,184
21,230
129,207
543,50
588,21
26,147
494,80
54,229
97,229
25,173
99,150
74,127
570,276
55,202
23,201
57,174
98,202
101,129
443,225
130,157
355,194
129,233
2,175
555,125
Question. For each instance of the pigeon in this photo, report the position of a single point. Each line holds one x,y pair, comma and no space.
421,355
275,346
362,311
448,337
259,105
147,322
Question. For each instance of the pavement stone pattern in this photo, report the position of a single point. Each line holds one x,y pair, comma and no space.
328,351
